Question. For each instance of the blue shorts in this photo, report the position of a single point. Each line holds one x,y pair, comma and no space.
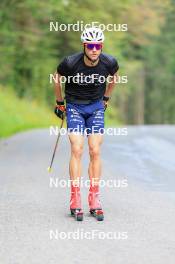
83,118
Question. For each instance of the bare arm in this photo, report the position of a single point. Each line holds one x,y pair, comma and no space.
111,85
57,86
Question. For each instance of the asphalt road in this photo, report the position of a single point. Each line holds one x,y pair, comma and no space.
139,225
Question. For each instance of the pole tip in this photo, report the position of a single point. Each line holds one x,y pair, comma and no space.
49,169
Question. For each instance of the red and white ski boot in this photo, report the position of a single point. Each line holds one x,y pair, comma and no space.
75,203
94,203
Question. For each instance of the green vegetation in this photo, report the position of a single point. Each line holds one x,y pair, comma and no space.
18,114
29,52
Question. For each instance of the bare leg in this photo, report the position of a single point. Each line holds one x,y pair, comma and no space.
75,167
95,141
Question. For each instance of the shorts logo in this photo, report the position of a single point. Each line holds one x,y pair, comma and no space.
89,117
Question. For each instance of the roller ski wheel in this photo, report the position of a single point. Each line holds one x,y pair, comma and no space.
97,213
77,213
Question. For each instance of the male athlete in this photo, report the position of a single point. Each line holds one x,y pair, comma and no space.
86,96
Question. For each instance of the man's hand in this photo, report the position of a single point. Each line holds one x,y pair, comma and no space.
105,102
60,109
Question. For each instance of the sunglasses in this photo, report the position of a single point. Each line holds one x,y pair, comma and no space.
92,46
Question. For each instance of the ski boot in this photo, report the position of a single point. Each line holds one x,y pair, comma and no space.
94,203
75,203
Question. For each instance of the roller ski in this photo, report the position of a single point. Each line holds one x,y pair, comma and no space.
75,204
94,203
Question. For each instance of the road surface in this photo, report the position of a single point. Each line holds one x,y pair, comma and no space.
139,225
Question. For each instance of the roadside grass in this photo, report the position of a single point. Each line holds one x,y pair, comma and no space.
20,114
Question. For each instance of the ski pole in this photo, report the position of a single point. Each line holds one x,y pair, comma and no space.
56,144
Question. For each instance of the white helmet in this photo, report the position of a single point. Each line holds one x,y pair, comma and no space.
93,34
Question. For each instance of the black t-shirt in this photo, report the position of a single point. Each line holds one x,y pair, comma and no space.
85,82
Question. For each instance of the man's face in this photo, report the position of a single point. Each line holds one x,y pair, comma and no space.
93,50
